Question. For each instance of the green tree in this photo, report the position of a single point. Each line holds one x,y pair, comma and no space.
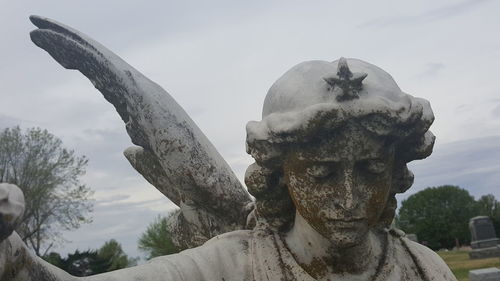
489,206
439,215
77,263
107,258
54,258
156,240
111,257
49,176
80,263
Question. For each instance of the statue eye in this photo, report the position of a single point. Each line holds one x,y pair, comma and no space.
319,171
375,166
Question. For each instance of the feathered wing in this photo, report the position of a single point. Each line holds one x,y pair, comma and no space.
171,152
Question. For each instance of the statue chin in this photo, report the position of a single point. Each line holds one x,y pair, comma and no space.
346,235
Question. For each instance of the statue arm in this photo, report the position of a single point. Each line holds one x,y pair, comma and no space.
17,263
223,256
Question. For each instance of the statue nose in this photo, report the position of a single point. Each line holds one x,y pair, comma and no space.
345,200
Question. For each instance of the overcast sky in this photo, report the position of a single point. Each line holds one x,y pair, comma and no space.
218,59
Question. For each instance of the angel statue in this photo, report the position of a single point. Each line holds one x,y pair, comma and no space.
331,153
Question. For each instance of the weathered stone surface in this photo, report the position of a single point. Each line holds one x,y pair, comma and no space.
11,208
485,274
172,153
331,153
196,221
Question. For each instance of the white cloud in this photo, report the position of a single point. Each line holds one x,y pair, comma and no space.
425,17
471,164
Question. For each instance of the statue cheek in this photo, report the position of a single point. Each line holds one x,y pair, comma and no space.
376,202
311,213
305,202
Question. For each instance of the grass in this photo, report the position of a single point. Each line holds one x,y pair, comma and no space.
460,264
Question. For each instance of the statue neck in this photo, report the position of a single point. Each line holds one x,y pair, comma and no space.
320,256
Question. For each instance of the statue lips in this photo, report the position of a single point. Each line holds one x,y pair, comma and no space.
347,222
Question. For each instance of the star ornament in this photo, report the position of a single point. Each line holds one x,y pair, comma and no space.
350,83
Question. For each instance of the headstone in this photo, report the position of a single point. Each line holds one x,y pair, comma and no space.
485,274
484,242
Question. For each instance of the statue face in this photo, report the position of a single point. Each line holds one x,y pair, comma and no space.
340,185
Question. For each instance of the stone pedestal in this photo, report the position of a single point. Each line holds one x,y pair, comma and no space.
490,252
485,274
486,243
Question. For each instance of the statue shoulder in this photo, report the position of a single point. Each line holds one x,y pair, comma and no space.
224,257
235,240
429,263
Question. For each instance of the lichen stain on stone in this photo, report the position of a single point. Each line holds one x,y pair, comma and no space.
317,268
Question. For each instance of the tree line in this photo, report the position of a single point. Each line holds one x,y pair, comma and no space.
154,241
440,215
108,257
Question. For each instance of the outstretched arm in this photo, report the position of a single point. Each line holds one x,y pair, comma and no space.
171,153
18,263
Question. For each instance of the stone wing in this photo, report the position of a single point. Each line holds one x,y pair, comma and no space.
171,152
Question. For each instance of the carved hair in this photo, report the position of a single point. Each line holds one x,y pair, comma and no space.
381,109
